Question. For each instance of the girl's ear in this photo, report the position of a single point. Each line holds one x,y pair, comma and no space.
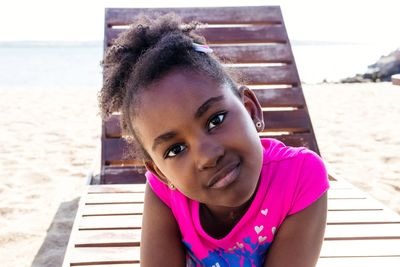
152,167
252,105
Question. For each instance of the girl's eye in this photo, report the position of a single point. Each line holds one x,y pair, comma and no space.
174,151
216,120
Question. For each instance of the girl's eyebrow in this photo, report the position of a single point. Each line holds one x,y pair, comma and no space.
163,138
206,105
200,111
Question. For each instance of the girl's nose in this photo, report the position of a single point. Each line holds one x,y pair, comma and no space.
209,154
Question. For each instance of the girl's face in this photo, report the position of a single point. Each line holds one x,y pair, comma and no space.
201,137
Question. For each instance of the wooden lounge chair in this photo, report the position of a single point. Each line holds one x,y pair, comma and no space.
106,232
261,41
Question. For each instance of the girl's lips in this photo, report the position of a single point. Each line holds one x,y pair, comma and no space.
226,178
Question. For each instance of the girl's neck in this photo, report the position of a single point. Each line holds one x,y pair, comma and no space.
219,221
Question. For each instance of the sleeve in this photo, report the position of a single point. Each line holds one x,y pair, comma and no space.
312,182
159,188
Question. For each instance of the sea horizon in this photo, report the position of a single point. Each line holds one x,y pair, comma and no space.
65,64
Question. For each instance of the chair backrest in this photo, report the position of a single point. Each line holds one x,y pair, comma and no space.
255,42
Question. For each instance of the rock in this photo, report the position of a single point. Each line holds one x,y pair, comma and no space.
382,70
359,78
386,66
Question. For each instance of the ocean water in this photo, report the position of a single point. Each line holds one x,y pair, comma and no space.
50,65
65,65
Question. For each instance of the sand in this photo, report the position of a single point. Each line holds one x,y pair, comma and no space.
358,132
49,139
47,142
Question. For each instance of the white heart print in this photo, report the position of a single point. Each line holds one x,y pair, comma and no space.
216,265
273,230
262,239
240,245
264,212
258,229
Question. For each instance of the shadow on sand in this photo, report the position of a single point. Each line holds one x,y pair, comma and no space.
51,253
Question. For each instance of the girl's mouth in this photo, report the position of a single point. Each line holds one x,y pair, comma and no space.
225,177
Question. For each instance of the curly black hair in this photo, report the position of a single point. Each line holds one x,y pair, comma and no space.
142,55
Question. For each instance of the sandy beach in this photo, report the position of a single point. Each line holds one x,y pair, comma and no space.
47,142
49,139
358,133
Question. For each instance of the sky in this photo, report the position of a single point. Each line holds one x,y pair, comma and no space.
352,21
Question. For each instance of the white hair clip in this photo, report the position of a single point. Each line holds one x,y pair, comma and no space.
202,48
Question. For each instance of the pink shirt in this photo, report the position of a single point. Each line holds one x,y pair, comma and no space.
291,180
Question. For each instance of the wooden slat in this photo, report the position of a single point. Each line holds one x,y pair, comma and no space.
123,175
334,248
346,194
323,262
131,255
113,209
362,231
112,127
139,188
334,205
285,97
102,238
225,15
131,237
359,217
285,74
294,121
352,248
131,203
115,198
260,53
359,262
249,34
234,35
131,188
115,149
361,248
354,204
138,197
111,222
334,217
107,255
97,206
340,185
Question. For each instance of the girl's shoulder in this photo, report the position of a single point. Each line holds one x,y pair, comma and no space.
299,170
275,150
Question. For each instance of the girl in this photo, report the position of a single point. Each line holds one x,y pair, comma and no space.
216,195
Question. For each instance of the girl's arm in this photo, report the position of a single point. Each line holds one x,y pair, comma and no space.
299,239
161,243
